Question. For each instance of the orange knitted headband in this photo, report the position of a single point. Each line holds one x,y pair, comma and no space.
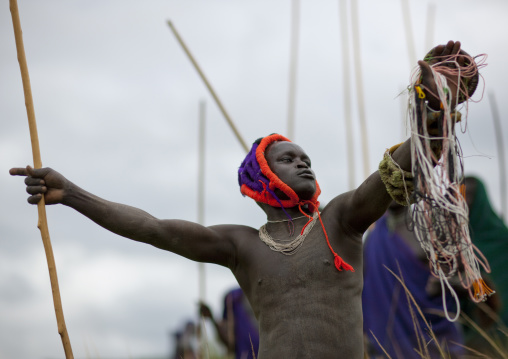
265,194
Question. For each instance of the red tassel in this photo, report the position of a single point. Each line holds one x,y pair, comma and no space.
340,264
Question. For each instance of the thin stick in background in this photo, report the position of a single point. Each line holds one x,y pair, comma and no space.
429,33
359,87
346,81
41,206
201,190
500,150
408,29
209,86
293,67
201,220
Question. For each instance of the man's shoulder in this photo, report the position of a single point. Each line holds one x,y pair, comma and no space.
233,230
338,203
338,214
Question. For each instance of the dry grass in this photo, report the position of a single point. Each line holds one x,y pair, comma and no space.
497,345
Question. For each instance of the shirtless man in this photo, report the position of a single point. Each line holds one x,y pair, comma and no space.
306,308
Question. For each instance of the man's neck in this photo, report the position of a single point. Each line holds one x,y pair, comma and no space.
277,214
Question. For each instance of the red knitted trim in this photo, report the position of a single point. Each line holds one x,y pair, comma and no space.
275,182
340,264
264,197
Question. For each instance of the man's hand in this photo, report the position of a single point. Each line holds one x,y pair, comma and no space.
43,181
439,54
205,311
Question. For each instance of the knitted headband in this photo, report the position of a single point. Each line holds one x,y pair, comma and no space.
259,182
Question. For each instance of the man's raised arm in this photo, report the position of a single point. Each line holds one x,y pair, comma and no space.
370,200
188,239
363,206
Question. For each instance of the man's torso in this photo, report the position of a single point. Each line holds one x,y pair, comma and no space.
305,306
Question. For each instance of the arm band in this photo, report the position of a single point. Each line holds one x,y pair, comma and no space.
399,183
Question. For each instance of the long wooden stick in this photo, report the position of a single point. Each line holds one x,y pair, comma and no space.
430,27
346,81
41,207
203,348
355,27
500,151
209,86
293,67
408,29
201,190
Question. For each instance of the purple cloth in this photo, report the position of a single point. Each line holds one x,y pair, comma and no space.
246,327
249,172
386,310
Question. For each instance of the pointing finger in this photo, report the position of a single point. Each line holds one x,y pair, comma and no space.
37,172
30,171
17,171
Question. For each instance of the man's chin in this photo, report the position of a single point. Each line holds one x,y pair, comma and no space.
307,195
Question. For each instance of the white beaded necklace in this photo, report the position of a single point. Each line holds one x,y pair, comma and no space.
286,220
286,246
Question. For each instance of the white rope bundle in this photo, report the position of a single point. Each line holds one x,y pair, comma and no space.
441,213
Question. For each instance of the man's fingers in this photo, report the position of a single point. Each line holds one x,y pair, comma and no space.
31,181
438,51
456,48
448,49
461,60
17,171
36,189
29,171
37,172
425,67
34,199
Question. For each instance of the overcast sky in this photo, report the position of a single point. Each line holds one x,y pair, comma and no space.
117,104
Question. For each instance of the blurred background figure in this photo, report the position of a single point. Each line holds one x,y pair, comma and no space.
186,342
391,321
238,328
490,235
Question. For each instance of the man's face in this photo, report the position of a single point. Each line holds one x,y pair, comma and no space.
292,165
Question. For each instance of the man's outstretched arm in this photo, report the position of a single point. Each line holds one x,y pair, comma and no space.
188,239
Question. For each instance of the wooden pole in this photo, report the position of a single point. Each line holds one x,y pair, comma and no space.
429,33
500,150
346,81
359,87
41,207
209,86
293,67
201,190
408,29
201,218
